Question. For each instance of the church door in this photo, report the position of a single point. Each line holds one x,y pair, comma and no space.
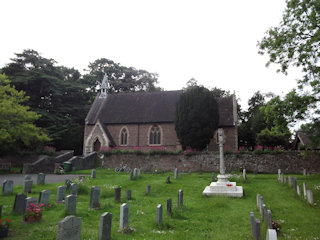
96,145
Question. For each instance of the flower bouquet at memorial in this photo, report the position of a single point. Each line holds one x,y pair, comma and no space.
276,225
33,212
4,227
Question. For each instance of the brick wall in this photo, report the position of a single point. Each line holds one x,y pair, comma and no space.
289,162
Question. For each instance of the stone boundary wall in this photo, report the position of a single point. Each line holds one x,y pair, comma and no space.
80,162
289,162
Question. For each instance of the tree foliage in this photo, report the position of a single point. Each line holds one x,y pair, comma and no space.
196,117
17,129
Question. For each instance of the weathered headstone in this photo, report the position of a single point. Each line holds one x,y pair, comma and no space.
261,204
148,188
128,194
71,204
41,179
244,174
95,197
7,187
176,173
180,198
310,197
139,172
212,177
105,226
61,194
135,173
285,179
159,214
44,197
304,172
117,194
269,219
131,175
93,173
304,190
264,211
253,224
27,177
257,229
299,190
271,234
294,183
74,189
27,186
67,183
258,201
124,216
168,180
169,206
279,174
28,202
19,203
69,228
290,181
281,178
82,179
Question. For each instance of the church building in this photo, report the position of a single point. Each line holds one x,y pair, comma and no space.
146,119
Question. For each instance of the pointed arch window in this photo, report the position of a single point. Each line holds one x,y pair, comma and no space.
96,145
155,135
124,137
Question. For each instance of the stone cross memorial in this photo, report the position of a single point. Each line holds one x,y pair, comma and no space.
69,228
223,187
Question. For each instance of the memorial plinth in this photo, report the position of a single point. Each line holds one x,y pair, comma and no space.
223,187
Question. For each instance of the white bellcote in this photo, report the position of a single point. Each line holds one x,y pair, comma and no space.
104,87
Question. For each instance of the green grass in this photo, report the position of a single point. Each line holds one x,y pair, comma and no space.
200,218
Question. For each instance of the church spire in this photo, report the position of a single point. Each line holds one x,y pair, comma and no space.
104,87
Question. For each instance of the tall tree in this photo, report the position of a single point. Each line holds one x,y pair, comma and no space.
196,117
17,129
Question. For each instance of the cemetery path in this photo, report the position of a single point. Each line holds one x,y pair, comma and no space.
50,178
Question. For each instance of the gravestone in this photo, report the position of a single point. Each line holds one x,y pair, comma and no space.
0,211
244,174
93,173
180,198
124,216
310,197
44,197
41,179
105,226
67,183
257,230
285,179
69,228
74,189
279,174
128,194
27,186
95,197
148,188
27,177
135,173
298,190
139,172
212,177
271,234
176,173
168,180
269,219
159,214
82,179
281,178
264,212
258,201
294,183
253,224
61,194
169,206
290,181
117,194
19,203
261,204
7,187
28,202
304,172
71,204
304,190
131,175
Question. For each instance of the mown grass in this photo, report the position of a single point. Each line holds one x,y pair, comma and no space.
200,218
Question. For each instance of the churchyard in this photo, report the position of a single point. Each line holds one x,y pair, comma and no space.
196,217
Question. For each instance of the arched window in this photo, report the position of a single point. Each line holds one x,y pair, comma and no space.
155,135
96,145
124,137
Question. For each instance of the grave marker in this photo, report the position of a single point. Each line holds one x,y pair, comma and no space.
271,234
169,206
0,211
257,230
244,174
304,172
61,194
128,194
148,188
95,197
135,173
279,174
298,190
168,180
131,175
71,204
310,196
27,186
212,177
28,202
304,190
93,173
159,214
19,203
253,224
264,212
41,179
44,197
269,219
7,187
69,228
82,179
74,189
67,183
124,216
176,173
117,194
27,177
290,181
261,204
294,183
105,226
180,198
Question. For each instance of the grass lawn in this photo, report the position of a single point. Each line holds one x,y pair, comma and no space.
200,218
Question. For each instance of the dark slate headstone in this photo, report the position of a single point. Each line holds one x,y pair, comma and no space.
117,194
253,224
95,197
93,173
258,201
304,190
19,203
44,197
71,204
7,187
27,186
257,229
61,194
69,228
180,198
131,175
148,190
168,180
269,219
159,214
41,179
105,226
74,189
124,216
128,194
169,206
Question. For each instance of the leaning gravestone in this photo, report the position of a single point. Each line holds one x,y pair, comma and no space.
117,194
7,187
258,201
264,210
44,197
124,216
41,179
131,175
61,194
93,173
95,197
310,197
19,203
74,189
159,214
69,228
27,186
105,226
135,173
71,204
180,198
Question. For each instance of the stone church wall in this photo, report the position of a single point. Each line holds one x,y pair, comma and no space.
289,162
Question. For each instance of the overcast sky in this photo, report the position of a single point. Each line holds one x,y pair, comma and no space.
212,41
